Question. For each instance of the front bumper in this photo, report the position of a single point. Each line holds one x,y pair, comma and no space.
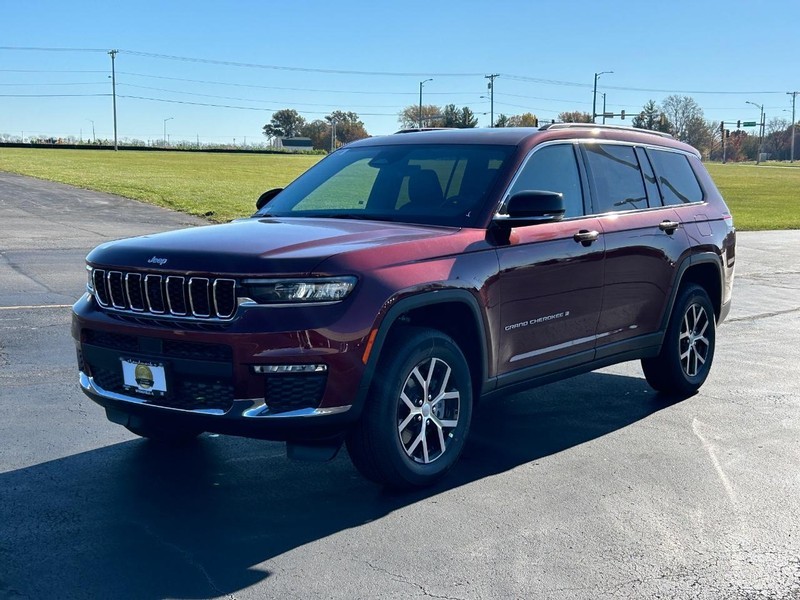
211,376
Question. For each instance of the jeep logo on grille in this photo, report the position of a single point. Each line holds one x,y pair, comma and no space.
157,261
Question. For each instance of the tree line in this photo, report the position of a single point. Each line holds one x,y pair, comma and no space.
681,116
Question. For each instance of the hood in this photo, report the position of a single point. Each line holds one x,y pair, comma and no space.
255,246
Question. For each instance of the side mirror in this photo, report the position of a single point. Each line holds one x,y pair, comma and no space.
530,207
266,197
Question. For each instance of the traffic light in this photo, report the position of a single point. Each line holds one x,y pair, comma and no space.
622,115
535,121
738,124
727,133
722,126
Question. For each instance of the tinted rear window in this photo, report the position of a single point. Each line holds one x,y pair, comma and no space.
675,177
617,178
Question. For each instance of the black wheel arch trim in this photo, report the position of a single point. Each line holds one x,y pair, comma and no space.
690,261
398,309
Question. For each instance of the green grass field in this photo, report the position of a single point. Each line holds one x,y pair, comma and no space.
221,187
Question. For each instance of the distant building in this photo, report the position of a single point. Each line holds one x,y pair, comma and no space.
295,144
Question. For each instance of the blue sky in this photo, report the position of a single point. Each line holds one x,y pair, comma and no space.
546,53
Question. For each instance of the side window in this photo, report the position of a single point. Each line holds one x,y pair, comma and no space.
554,169
678,182
617,178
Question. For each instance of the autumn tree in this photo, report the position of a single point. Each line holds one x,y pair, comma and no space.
347,125
524,120
319,132
284,123
684,115
575,116
651,118
409,117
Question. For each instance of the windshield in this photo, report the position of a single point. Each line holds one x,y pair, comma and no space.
428,184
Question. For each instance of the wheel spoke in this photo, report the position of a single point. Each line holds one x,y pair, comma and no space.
425,454
416,442
407,401
405,423
430,377
445,396
441,437
445,422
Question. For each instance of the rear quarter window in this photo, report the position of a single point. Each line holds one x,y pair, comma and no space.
675,177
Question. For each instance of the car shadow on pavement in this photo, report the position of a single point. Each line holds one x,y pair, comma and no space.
135,520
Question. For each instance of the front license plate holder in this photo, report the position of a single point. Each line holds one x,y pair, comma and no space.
145,377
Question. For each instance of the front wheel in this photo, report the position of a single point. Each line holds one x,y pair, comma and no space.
685,359
417,416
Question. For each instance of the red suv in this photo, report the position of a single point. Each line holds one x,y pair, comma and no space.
375,299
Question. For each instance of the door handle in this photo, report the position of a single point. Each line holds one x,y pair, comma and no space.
586,237
669,226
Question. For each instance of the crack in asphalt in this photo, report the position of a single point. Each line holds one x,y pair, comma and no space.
188,558
400,579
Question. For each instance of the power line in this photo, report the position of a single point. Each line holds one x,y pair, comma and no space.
42,49
54,95
144,87
187,102
299,69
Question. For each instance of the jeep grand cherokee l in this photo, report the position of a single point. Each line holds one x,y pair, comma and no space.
378,296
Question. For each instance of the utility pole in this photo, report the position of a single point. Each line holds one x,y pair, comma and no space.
113,54
421,83
491,79
794,97
594,94
333,133
604,108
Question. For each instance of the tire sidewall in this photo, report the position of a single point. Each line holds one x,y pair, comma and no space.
424,345
691,296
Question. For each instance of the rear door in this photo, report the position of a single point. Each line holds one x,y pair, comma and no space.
644,243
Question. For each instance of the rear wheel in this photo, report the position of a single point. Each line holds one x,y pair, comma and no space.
418,413
685,359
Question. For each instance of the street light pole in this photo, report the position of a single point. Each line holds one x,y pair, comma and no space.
94,139
165,129
594,94
421,83
794,97
760,130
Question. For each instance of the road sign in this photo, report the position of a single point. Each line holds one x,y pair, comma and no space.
749,124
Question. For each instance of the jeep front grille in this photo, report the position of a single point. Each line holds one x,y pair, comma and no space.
172,295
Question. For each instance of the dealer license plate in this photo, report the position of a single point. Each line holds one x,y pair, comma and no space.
144,377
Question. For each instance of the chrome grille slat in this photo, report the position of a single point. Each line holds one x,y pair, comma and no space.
176,297
198,297
201,298
116,289
133,287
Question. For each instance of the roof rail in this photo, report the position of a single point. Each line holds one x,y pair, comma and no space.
596,126
417,129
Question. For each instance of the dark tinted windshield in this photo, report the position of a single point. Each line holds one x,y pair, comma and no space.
431,184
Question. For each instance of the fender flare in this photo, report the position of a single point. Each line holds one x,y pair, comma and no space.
419,300
690,261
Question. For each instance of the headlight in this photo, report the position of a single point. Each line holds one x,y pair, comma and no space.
296,291
89,281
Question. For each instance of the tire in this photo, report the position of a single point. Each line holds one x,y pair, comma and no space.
403,440
162,432
686,355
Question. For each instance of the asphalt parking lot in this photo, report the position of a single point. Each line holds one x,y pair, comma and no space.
594,487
